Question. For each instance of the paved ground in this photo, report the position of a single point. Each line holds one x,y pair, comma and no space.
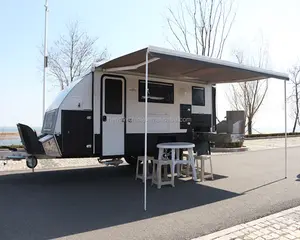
284,225
262,144
107,203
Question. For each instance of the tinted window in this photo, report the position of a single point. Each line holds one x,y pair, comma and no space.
198,96
158,92
113,96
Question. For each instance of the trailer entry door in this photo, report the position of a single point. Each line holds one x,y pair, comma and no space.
113,116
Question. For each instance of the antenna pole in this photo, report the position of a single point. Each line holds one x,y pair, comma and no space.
45,56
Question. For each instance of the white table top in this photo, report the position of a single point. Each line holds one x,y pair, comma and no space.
176,145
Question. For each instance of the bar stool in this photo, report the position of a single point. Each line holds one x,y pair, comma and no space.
202,159
201,167
156,173
140,175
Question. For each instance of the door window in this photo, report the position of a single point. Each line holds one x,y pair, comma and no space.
113,96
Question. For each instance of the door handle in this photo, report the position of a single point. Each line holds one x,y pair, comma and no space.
104,118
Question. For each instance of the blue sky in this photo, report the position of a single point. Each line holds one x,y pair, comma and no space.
124,26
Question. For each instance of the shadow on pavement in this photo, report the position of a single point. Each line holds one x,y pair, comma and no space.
54,204
263,185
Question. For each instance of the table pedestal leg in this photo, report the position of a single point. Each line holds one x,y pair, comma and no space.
178,165
192,163
165,171
173,167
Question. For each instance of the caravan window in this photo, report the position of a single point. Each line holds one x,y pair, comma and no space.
198,96
49,121
158,92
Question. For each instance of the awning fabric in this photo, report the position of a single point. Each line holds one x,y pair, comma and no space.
187,67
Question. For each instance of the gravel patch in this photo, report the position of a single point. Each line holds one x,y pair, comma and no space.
49,164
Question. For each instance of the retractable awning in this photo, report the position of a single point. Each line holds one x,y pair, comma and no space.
174,65
187,67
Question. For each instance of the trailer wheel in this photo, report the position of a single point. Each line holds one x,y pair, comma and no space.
31,162
131,160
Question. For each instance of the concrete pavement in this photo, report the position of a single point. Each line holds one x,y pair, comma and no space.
107,203
271,143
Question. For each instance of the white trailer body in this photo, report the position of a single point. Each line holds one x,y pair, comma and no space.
103,115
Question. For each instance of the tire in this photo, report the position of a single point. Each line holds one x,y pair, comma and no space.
131,160
31,162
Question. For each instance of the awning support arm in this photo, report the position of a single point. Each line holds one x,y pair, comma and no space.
130,67
285,130
146,133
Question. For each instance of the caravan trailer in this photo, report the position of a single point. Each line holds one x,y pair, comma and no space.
103,114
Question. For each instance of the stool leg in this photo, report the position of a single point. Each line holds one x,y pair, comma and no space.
211,169
187,166
165,172
197,166
149,167
202,169
187,169
143,170
160,157
158,176
193,160
153,173
148,171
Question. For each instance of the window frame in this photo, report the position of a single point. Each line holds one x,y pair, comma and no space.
141,91
106,107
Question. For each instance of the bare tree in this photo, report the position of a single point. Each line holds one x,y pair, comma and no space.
201,26
294,98
72,55
249,96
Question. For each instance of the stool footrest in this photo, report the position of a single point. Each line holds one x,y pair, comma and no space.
162,162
